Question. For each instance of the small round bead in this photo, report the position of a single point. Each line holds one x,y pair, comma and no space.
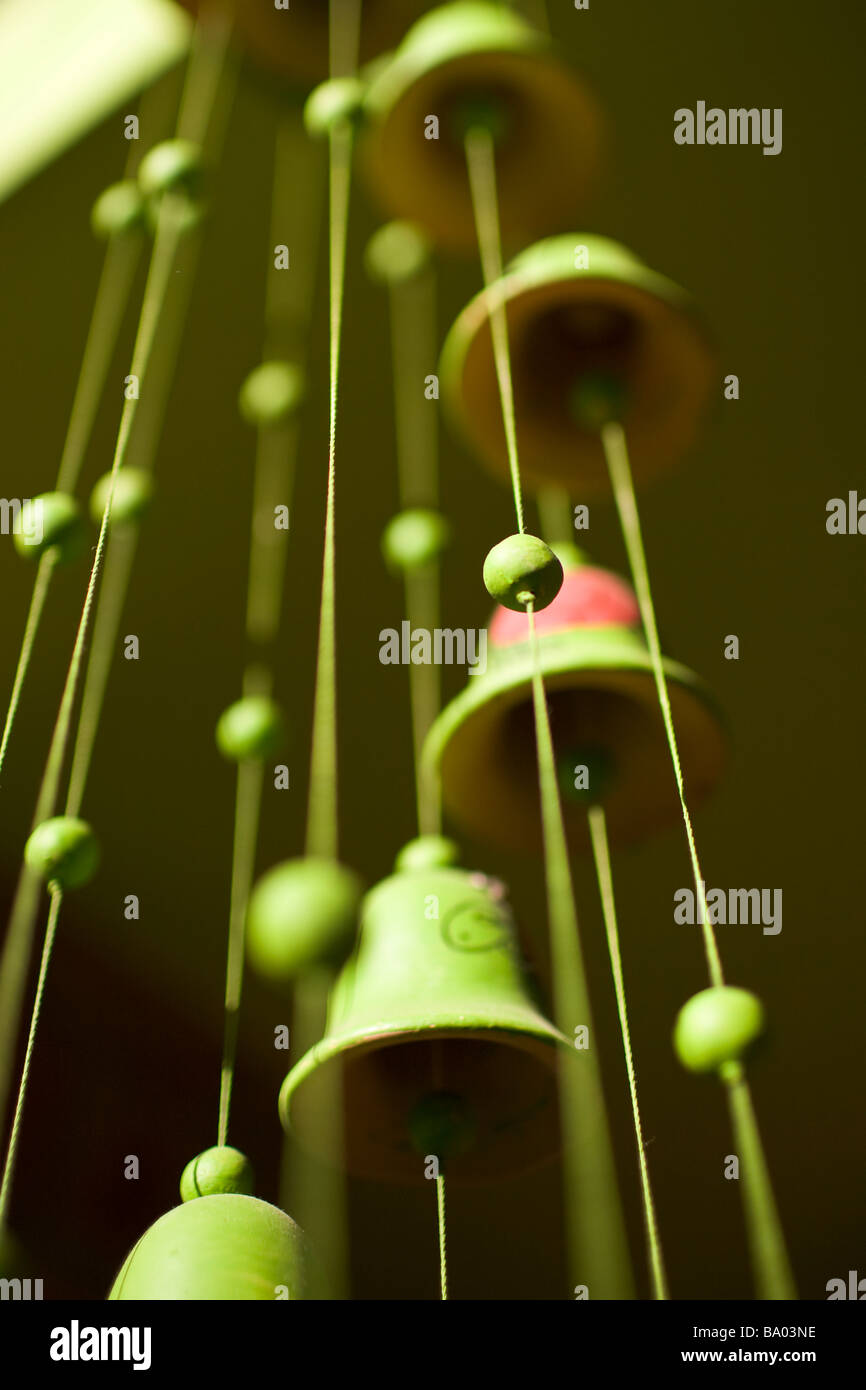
120,209
600,773
396,253
271,393
442,1124
521,569
331,103
252,727
174,166
597,399
133,493
717,1026
427,852
302,914
52,521
414,538
64,851
217,1170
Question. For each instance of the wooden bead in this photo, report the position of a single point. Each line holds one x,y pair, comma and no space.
119,210
397,252
522,569
271,393
133,493
442,1124
414,538
252,727
64,851
220,1169
302,914
717,1027
173,166
427,852
333,103
52,521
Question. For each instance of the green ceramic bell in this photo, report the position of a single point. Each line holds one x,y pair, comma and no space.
437,1036
223,1247
586,319
607,727
472,63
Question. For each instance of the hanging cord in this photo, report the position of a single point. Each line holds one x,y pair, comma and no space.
766,1239
601,855
598,1244
413,333
274,476
440,1211
17,946
597,1240
481,164
12,1151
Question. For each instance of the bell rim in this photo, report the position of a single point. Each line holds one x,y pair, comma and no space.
645,292
561,99
576,652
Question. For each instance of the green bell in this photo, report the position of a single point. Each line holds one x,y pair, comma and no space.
470,64
592,331
609,738
442,1049
225,1247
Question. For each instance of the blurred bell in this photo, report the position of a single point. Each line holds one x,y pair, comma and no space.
594,334
472,64
608,734
217,1248
442,1048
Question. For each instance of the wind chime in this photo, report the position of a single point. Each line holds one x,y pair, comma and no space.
576,371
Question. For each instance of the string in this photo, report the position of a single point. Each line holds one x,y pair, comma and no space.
322,805
773,1275
12,1151
597,1235
31,629
274,475
109,309
555,515
440,1210
17,945
481,164
413,319
766,1240
601,855
616,453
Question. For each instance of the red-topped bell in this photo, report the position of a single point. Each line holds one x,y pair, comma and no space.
607,727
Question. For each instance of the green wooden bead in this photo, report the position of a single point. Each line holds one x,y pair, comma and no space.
600,774
414,538
442,1124
52,521
228,1247
480,111
716,1027
302,914
220,1169
396,253
521,569
133,493
119,210
427,852
332,103
271,393
64,851
252,727
174,166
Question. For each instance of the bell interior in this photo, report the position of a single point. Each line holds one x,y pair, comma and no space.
506,1079
567,342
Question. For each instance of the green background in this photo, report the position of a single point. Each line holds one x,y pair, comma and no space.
127,1060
